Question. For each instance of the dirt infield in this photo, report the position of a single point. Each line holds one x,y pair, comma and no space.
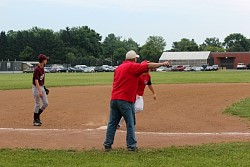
183,114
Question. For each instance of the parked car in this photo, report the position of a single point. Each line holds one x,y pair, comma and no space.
215,67
188,69
168,68
47,69
111,68
28,71
208,68
71,69
53,70
89,69
108,68
79,69
101,69
241,66
178,68
60,69
198,68
82,66
161,69
212,68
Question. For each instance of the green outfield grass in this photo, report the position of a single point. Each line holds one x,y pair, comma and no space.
221,155
201,77
241,108
23,81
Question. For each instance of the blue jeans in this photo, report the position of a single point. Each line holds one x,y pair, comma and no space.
119,108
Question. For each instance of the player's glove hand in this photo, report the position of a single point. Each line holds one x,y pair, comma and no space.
46,90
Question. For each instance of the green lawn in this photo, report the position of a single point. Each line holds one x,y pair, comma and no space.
23,81
202,77
241,108
214,155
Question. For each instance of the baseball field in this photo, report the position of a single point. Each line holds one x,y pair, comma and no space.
193,122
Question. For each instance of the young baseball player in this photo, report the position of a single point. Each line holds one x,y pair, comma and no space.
38,89
144,79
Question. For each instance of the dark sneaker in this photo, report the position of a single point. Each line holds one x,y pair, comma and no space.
107,148
133,149
36,122
40,121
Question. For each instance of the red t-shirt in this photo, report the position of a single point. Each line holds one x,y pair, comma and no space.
144,80
39,75
125,81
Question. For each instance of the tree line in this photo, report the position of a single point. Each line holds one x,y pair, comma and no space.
82,45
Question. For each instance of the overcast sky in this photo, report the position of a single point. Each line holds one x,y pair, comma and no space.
136,19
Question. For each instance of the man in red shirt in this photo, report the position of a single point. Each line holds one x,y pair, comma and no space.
125,84
38,89
144,79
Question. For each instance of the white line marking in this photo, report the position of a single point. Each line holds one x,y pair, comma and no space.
23,129
147,133
198,134
102,127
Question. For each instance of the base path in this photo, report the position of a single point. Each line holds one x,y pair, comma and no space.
183,114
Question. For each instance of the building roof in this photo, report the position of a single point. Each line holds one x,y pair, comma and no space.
185,55
30,63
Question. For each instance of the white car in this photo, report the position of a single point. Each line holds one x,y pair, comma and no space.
47,69
89,69
215,67
188,69
161,69
198,68
241,66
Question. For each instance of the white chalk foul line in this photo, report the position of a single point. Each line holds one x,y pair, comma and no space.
198,134
24,129
146,133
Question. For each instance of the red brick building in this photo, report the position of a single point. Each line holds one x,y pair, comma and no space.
229,59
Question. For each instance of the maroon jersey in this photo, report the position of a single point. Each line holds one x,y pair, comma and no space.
39,75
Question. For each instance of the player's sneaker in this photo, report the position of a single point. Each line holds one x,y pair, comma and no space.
133,149
38,116
107,148
36,122
40,120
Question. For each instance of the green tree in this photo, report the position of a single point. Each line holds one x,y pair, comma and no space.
130,44
3,46
89,60
83,39
153,48
236,42
27,53
12,51
122,48
185,45
47,42
212,48
212,44
119,55
110,45
66,37
70,58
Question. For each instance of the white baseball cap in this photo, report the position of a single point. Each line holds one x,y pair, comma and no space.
131,55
